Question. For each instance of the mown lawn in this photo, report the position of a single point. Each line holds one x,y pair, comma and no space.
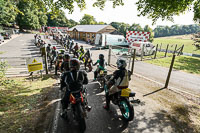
184,63
188,47
19,101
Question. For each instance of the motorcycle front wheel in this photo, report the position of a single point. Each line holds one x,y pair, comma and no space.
126,110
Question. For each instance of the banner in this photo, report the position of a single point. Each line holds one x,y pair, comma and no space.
137,36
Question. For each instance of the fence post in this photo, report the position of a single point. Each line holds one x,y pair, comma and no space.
175,49
133,61
181,50
109,54
170,70
156,51
142,53
46,64
166,50
160,46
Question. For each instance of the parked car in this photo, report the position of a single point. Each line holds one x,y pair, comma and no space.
1,38
6,35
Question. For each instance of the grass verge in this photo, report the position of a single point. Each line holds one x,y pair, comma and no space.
21,102
183,63
188,47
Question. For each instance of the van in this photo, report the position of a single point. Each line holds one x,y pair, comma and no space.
149,48
105,40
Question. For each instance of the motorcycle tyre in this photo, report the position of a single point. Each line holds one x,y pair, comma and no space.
81,119
131,111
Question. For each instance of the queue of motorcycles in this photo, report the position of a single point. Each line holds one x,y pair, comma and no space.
78,101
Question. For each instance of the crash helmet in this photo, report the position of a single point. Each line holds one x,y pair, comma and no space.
74,64
101,56
67,57
54,47
49,44
121,63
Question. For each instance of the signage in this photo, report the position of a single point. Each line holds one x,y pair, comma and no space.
34,64
137,36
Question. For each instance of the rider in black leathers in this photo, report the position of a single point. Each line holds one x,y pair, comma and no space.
74,80
64,68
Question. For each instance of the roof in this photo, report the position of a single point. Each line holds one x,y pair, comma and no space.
88,28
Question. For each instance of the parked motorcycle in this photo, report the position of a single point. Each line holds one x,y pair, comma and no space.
122,100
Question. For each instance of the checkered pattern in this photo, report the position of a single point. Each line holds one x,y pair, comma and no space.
137,36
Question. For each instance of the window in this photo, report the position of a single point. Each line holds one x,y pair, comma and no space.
119,40
93,35
83,34
88,35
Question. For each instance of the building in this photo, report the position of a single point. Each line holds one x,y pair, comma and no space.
88,32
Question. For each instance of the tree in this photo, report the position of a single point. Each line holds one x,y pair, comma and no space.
148,29
87,19
59,19
28,19
72,23
8,11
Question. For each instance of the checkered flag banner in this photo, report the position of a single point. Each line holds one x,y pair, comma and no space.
137,36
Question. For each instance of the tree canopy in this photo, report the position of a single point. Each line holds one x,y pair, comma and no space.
88,19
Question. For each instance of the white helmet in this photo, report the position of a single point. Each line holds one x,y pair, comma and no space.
121,63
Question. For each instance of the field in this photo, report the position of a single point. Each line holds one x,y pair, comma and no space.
179,40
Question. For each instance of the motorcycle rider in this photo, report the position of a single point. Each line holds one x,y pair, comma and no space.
71,46
74,80
87,57
75,51
64,68
119,80
102,63
82,52
54,55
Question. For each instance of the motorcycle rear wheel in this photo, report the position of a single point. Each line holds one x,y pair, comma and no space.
127,110
81,118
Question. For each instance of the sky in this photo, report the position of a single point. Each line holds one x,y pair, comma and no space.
127,14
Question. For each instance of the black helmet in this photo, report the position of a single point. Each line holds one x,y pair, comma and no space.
74,64
101,56
121,63
66,56
49,44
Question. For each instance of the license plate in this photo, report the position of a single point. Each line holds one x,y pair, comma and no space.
125,92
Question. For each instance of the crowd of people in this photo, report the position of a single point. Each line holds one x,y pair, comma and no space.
72,78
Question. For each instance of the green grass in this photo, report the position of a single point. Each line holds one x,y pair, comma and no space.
184,63
1,52
188,47
20,98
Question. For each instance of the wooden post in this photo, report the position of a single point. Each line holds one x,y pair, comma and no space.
170,70
175,49
109,54
129,64
166,50
142,53
160,46
156,51
133,61
46,64
181,51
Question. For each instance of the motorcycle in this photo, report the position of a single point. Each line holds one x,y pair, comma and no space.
101,77
79,107
58,63
122,100
89,64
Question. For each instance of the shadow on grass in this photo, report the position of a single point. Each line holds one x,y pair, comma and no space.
189,64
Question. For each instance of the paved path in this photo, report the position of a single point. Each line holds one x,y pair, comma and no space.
16,51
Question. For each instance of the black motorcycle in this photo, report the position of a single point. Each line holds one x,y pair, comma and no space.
79,107
122,100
